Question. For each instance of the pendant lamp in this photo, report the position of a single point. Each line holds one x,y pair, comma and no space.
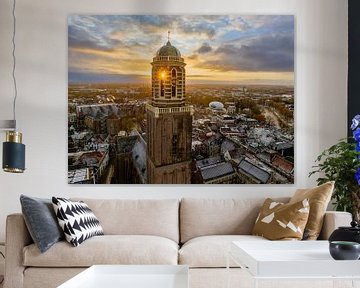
13,158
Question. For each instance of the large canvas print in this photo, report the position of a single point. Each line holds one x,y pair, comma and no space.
181,99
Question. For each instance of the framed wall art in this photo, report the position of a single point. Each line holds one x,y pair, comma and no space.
181,99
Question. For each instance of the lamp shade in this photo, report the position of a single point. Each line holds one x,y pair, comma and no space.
13,153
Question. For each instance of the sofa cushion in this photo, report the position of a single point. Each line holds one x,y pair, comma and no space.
319,198
76,220
279,221
211,251
158,217
201,217
107,249
41,221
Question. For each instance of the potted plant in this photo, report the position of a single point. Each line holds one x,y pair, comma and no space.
341,163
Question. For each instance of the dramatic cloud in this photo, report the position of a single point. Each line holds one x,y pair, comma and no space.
199,28
269,53
205,48
82,38
215,47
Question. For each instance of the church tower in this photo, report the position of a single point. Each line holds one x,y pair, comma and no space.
169,120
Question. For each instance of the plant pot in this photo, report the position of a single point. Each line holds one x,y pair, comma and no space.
344,250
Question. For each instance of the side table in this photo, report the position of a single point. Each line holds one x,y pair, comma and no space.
293,264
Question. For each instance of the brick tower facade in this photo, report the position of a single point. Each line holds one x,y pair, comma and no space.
169,120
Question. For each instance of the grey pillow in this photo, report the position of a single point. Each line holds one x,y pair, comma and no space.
41,221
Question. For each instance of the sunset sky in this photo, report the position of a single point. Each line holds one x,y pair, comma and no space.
217,49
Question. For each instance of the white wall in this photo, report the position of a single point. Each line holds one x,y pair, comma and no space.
321,65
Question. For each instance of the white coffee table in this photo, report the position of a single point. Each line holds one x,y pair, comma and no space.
292,260
131,276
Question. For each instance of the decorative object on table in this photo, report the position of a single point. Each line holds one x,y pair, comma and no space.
351,233
41,221
341,163
13,150
279,221
319,198
344,250
153,116
77,220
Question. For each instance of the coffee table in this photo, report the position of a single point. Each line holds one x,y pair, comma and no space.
131,276
293,260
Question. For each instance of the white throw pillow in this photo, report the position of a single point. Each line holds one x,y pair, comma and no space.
76,220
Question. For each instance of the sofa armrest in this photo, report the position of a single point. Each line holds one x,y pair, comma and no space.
17,237
333,220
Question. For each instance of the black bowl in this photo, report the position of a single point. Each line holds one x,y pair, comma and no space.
344,250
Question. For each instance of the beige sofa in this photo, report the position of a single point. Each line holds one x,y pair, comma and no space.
194,232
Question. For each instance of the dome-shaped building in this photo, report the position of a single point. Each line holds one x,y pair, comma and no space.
168,77
215,105
168,50
169,120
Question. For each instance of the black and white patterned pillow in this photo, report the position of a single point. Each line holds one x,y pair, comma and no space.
77,220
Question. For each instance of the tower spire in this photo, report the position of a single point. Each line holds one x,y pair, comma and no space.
168,35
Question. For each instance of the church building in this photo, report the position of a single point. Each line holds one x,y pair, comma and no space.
169,120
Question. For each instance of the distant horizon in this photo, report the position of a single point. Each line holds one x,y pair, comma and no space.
90,78
190,84
219,49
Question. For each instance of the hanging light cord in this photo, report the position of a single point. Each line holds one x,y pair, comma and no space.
1,277
14,61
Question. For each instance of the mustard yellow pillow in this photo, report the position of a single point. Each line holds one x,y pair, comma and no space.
279,221
319,198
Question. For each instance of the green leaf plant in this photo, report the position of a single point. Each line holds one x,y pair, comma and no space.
339,163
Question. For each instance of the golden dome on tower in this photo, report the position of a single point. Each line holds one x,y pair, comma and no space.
168,50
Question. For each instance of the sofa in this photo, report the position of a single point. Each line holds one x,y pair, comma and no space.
190,231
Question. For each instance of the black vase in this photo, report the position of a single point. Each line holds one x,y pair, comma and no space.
344,250
351,234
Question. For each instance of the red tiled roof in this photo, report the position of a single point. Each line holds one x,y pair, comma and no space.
282,164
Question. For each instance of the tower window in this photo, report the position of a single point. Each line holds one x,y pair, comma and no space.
173,82
162,88
174,145
162,78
